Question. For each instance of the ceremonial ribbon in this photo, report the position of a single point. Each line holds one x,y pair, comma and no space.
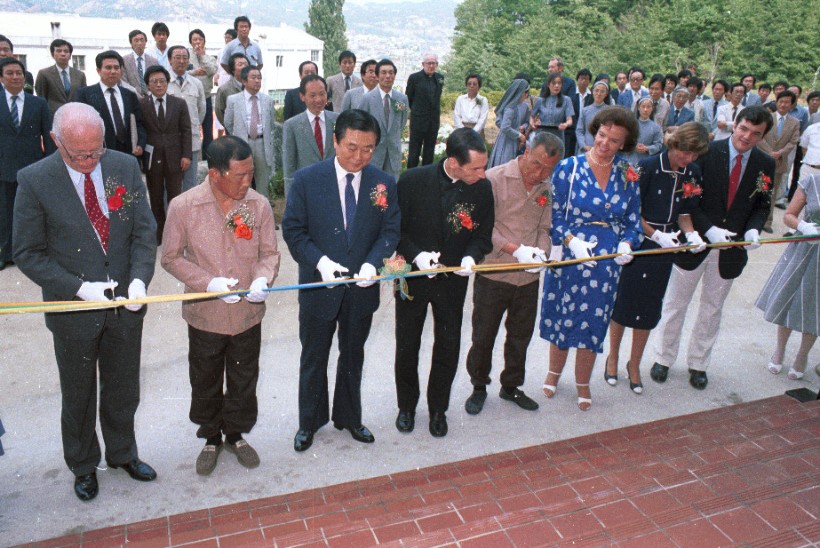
73,306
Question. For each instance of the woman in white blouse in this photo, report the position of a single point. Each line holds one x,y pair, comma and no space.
471,108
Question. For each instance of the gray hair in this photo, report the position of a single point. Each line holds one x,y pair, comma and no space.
428,56
553,146
74,116
680,89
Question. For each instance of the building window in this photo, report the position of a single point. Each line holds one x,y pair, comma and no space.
314,55
79,62
279,59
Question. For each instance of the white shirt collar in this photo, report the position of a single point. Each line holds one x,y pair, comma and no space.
341,173
311,117
382,92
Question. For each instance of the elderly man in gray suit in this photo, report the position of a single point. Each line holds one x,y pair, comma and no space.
390,108
339,84
354,97
83,230
250,115
308,136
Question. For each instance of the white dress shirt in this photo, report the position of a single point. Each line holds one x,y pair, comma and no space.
79,185
469,111
20,102
249,107
118,96
311,117
724,114
341,180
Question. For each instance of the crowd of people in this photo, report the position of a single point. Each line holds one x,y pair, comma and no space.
587,173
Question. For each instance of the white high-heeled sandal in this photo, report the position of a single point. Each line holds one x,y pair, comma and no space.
552,388
774,368
583,401
794,374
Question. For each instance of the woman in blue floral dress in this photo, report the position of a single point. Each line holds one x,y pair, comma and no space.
596,205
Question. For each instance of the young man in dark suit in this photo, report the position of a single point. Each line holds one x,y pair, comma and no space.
342,215
446,218
116,105
736,199
83,230
25,123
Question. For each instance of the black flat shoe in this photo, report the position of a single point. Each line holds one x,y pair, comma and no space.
359,433
137,469
438,425
698,379
659,372
475,403
303,440
86,487
406,421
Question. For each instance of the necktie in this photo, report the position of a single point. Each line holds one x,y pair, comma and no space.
347,83
119,126
734,113
141,72
350,207
160,112
253,131
674,116
180,80
66,82
743,102
734,180
95,214
780,126
15,116
386,108
714,109
317,134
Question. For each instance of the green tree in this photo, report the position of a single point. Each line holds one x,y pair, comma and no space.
327,22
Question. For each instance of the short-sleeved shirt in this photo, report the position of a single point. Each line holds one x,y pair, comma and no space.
253,52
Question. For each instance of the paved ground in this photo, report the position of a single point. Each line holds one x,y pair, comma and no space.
37,501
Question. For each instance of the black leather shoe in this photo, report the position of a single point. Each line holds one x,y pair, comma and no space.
85,487
475,403
519,398
768,230
438,425
137,469
406,421
303,440
698,379
659,372
359,433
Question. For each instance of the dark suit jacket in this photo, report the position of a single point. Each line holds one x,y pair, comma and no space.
313,226
19,148
425,108
93,95
56,246
293,104
748,211
172,140
49,86
425,211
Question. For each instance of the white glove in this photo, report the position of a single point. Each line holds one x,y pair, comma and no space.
580,249
625,258
467,264
527,254
328,269
427,260
367,271
95,291
666,240
808,229
752,235
221,285
693,238
717,235
257,293
556,253
136,290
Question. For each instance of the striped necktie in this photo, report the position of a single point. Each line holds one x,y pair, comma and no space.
15,116
350,207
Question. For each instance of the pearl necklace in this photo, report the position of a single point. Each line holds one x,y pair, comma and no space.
591,158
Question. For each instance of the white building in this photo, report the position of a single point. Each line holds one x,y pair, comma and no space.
283,47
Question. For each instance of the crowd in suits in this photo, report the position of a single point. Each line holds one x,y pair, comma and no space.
349,207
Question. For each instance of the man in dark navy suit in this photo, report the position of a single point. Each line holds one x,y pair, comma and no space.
25,123
116,105
342,215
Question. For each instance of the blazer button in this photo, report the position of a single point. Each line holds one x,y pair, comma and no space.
106,263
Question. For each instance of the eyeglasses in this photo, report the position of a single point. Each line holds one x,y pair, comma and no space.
96,155
157,81
430,63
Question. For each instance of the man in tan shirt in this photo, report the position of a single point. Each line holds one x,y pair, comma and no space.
219,237
523,215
